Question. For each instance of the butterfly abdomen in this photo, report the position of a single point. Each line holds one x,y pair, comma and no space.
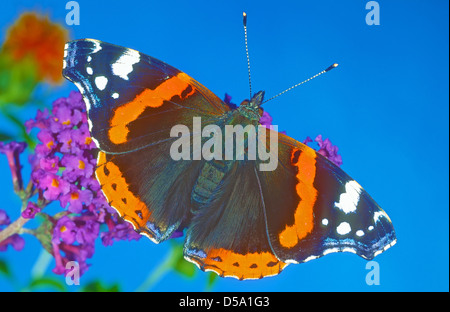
210,177
214,170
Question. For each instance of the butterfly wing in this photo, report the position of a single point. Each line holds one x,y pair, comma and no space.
256,222
133,101
148,190
259,221
229,235
313,208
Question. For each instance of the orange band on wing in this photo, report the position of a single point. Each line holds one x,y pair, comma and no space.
129,112
252,265
303,217
117,192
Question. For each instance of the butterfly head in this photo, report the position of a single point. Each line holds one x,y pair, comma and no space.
257,99
251,109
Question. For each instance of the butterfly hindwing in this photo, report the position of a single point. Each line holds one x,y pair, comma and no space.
228,235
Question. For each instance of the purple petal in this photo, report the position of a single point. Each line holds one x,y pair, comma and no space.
4,219
266,119
31,210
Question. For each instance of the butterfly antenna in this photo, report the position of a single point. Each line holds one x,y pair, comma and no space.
300,83
246,51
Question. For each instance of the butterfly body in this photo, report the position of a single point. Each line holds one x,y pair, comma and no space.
238,219
209,178
251,109
212,172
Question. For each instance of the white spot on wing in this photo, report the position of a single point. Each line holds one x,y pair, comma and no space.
310,258
349,200
124,65
97,45
325,221
385,248
96,143
101,82
343,228
378,252
82,91
378,214
115,95
89,70
359,233
291,261
89,58
349,249
330,250
90,126
88,105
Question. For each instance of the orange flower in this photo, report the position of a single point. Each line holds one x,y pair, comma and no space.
38,37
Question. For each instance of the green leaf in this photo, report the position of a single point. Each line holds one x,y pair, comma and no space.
47,282
4,269
21,125
212,279
180,265
98,286
18,79
185,268
5,136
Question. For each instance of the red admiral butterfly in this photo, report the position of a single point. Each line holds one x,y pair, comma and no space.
240,221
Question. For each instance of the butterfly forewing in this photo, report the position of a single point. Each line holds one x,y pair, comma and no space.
133,100
314,208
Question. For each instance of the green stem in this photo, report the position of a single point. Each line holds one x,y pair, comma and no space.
13,228
157,274
41,265
17,226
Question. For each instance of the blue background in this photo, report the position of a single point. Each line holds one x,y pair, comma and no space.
385,107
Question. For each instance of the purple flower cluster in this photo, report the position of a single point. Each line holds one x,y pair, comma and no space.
63,171
326,149
227,100
12,150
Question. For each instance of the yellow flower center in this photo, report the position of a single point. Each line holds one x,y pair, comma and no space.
74,196
81,165
55,183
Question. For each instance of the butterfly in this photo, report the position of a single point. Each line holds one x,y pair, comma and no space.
238,221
